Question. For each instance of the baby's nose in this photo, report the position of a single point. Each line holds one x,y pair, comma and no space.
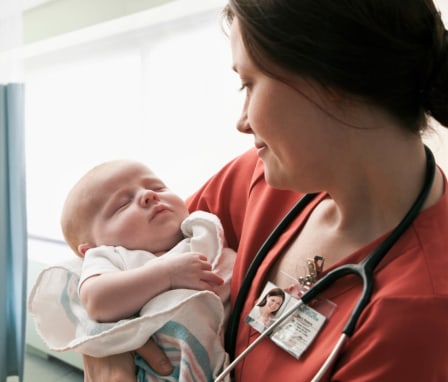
148,197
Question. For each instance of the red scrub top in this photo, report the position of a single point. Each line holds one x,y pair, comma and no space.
402,334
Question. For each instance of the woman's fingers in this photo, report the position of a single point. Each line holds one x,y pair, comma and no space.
155,357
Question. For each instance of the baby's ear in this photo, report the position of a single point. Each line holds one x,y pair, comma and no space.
82,248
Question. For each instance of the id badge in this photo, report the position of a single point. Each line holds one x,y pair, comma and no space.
296,333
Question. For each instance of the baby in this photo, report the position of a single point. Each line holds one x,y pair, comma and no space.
145,262
123,204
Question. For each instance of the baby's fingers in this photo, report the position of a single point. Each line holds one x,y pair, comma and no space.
212,278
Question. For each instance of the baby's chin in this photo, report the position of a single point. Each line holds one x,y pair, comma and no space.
164,245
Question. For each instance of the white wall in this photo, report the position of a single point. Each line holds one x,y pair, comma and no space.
48,18
438,139
443,7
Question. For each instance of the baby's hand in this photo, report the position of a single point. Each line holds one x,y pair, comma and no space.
191,270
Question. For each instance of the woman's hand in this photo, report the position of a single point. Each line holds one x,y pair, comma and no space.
121,367
114,368
155,357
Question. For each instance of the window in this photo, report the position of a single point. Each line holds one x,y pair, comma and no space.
163,93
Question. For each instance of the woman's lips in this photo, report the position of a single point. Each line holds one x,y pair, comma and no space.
260,146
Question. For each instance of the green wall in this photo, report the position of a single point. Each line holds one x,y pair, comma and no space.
61,16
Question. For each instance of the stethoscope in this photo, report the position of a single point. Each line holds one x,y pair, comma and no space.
364,270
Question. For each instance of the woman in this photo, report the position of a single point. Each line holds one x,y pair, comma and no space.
263,314
337,96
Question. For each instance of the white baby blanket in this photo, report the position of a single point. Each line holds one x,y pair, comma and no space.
187,324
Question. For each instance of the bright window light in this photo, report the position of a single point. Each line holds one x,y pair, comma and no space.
165,95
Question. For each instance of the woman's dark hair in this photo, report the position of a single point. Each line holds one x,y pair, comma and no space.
393,53
272,292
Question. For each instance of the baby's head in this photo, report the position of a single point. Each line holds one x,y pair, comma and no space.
122,203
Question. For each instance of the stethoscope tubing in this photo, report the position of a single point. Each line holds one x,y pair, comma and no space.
265,333
232,327
366,267
363,270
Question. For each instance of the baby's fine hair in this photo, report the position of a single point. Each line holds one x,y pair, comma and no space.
392,53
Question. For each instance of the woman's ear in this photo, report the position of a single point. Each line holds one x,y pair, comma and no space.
82,248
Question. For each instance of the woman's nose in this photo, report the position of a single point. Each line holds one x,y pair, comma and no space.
243,125
148,197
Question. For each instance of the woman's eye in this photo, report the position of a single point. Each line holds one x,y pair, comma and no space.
243,87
